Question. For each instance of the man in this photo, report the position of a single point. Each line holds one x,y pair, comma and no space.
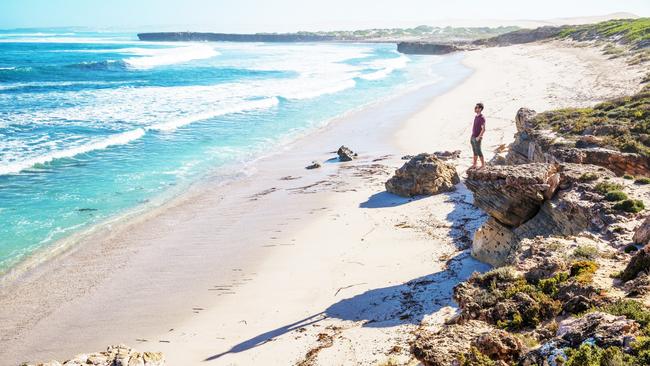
477,135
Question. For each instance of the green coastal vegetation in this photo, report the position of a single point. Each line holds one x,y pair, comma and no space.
622,123
422,32
635,32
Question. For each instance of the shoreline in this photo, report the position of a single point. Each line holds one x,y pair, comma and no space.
143,212
331,221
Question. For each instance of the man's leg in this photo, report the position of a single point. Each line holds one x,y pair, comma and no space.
472,141
480,152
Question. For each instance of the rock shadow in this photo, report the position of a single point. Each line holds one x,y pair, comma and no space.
386,199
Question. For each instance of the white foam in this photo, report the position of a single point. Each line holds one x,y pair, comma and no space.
117,139
64,83
385,66
151,57
318,90
236,108
37,34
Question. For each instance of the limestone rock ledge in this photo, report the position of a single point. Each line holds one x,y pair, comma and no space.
513,194
537,199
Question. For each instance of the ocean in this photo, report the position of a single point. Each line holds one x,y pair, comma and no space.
94,124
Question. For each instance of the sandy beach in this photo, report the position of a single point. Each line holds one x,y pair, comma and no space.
294,266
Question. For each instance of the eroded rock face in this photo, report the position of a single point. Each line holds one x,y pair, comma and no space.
606,330
530,200
640,263
424,174
513,194
345,154
117,355
494,243
642,233
442,348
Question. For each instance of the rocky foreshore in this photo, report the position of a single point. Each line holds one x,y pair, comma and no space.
567,233
117,355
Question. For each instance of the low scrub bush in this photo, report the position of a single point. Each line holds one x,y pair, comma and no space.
633,206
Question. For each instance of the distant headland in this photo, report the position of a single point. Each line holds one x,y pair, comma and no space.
393,35
229,37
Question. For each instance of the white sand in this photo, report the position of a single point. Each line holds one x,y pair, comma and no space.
323,269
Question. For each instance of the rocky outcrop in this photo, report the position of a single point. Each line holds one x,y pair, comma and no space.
642,233
426,48
345,154
604,329
513,194
534,145
313,165
119,355
424,174
529,200
443,347
494,243
596,328
639,264
500,345
447,155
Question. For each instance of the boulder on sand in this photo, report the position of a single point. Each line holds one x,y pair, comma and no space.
313,165
345,154
424,174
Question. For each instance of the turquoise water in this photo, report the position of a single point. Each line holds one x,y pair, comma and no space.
93,124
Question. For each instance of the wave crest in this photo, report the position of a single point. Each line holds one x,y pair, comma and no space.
236,108
117,139
149,57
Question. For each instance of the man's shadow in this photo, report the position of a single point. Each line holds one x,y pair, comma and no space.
407,303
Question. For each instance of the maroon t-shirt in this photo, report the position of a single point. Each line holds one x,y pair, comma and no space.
479,123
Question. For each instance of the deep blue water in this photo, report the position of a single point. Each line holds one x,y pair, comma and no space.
93,124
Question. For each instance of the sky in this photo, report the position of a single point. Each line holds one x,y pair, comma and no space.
291,15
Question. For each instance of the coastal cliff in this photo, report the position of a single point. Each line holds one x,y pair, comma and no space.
425,48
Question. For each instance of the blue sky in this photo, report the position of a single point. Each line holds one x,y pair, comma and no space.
290,15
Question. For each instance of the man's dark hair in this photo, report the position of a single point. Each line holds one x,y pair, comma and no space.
480,105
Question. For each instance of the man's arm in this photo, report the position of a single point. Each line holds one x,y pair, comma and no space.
480,135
